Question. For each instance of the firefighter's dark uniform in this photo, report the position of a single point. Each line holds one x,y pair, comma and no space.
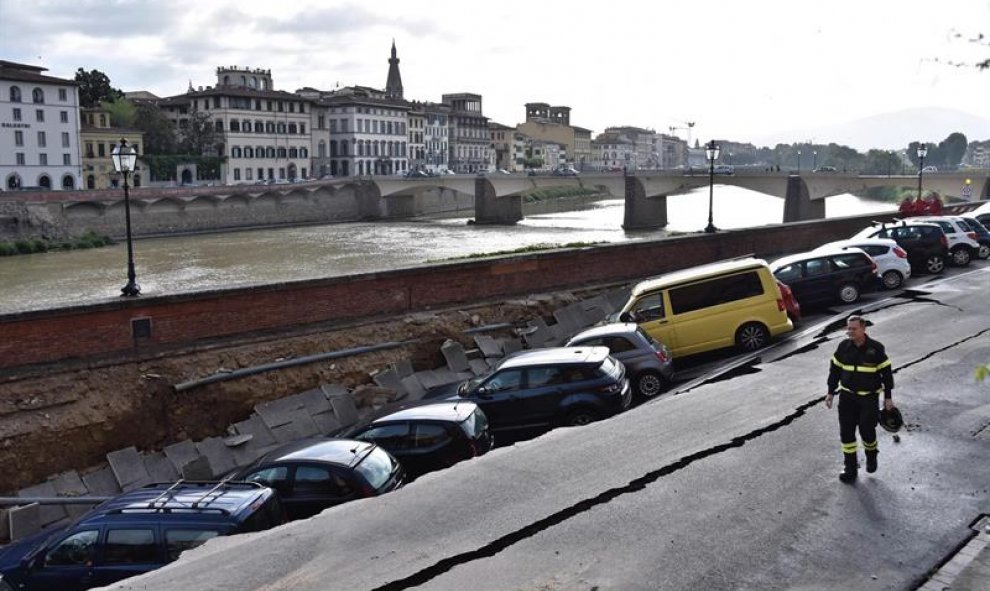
858,375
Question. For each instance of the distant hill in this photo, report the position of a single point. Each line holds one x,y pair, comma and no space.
890,131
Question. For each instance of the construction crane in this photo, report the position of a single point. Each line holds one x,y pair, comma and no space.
690,124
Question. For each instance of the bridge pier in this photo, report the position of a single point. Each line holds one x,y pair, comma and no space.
798,206
400,206
490,209
369,200
642,211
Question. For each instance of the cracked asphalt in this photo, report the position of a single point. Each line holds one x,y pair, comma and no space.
727,482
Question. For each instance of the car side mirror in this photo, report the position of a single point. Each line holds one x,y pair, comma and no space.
627,317
483,392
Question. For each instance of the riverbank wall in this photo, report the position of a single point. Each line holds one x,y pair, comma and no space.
60,215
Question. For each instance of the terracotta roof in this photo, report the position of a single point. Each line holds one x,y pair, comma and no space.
29,73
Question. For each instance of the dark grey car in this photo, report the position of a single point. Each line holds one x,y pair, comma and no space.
647,360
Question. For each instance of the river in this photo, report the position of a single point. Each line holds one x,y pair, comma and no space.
202,262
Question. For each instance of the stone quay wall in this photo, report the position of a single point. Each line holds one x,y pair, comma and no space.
146,325
58,215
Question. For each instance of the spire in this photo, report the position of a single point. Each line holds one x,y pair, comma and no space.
393,87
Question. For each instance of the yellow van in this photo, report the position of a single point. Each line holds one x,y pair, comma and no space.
728,303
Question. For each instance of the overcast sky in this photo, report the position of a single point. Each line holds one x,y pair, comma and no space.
741,70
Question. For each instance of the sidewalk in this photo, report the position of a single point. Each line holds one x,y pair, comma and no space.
969,569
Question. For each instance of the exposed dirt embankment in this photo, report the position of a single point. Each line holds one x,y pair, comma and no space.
59,418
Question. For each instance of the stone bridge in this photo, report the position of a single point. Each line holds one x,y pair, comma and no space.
497,199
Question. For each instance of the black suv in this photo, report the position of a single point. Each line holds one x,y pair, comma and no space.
821,277
547,387
426,435
136,532
925,243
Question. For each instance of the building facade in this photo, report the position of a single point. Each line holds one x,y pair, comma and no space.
39,129
263,134
97,139
469,142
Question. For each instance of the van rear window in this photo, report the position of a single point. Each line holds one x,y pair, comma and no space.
718,290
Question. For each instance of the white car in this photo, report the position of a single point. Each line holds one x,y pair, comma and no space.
963,245
892,262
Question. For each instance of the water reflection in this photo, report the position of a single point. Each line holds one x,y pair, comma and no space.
213,261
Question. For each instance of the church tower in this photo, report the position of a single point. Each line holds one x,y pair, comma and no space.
393,88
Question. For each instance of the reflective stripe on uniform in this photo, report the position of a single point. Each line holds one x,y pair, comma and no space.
860,368
850,448
842,388
870,445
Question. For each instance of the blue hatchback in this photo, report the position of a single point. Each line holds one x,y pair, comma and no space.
136,532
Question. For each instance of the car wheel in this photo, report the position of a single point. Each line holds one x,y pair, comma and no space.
848,293
935,264
752,336
961,256
892,279
581,417
984,252
650,383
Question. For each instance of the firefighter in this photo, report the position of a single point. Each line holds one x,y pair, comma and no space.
859,372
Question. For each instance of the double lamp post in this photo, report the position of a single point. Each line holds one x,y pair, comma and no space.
124,157
922,152
711,151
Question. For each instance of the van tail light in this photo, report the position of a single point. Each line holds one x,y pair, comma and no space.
900,252
944,241
662,356
874,265
474,448
612,388
780,305
972,235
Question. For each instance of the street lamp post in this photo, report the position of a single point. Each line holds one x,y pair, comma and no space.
711,151
814,160
799,161
123,157
922,152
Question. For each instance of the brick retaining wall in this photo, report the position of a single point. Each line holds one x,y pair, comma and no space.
182,320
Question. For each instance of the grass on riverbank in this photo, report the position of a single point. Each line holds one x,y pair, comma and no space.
35,245
522,250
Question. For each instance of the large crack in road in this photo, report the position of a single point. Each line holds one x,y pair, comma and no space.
748,367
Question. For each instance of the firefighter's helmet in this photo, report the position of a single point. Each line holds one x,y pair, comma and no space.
891,420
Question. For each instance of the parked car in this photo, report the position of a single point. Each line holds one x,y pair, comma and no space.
982,234
555,386
313,474
426,435
963,245
725,169
824,169
136,532
790,302
565,171
709,307
647,360
821,277
925,243
892,262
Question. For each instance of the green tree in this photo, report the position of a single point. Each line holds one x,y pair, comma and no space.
199,136
159,131
952,149
121,111
94,88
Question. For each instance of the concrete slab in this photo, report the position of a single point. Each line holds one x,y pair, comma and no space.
101,482
538,338
277,412
332,390
47,513
314,401
389,379
488,345
68,484
160,468
198,469
261,435
618,297
4,525
326,422
24,521
454,353
220,458
414,388
598,301
403,367
345,410
181,454
510,346
479,366
128,466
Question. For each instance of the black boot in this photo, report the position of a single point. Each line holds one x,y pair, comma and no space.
848,473
871,461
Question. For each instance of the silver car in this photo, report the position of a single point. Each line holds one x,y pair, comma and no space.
647,360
